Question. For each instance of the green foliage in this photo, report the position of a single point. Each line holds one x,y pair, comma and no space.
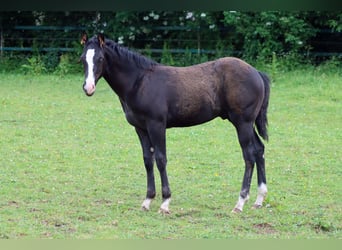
166,57
334,65
34,65
67,65
186,59
50,61
222,50
9,63
263,33
147,51
63,67
336,24
258,37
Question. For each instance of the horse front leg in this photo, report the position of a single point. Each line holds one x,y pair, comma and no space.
148,154
157,134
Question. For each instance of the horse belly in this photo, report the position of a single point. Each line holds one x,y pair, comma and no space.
185,114
194,103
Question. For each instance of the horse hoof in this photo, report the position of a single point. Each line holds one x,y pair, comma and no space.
145,209
256,206
145,206
164,208
164,211
236,210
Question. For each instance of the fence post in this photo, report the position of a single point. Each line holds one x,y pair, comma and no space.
198,42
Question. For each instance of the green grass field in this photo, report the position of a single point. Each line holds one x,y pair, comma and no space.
71,166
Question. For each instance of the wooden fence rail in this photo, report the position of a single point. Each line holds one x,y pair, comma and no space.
321,42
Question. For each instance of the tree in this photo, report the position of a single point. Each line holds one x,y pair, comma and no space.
259,34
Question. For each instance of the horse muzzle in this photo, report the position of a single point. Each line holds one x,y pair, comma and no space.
89,88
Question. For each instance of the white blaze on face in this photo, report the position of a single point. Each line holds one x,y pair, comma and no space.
89,86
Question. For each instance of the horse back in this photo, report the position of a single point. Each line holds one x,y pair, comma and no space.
187,96
191,93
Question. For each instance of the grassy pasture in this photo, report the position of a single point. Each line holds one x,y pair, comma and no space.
71,166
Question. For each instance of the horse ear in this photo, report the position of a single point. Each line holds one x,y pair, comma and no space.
101,39
84,38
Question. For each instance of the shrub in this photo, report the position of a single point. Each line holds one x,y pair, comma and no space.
34,66
166,57
50,60
260,34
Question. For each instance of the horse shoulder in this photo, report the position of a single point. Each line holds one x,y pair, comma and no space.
146,101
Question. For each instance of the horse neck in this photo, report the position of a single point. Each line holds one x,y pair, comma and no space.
120,74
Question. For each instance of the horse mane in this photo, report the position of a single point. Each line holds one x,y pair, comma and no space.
130,56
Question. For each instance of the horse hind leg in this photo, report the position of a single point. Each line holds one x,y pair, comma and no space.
260,162
253,152
262,191
246,139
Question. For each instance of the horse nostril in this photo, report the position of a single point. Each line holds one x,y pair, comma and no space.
84,87
89,88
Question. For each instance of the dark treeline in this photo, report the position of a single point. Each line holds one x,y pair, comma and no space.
173,35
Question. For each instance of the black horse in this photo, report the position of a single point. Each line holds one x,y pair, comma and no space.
155,97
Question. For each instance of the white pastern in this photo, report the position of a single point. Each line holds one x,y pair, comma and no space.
164,208
146,204
262,191
90,80
239,205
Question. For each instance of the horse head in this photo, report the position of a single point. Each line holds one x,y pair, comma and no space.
93,61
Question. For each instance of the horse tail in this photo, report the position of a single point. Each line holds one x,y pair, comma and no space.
261,120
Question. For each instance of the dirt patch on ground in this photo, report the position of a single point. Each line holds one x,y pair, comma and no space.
264,228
